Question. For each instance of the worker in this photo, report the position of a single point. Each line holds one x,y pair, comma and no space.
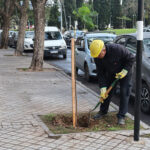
113,61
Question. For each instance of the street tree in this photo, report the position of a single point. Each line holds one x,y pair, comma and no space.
147,12
86,15
54,15
22,26
103,9
39,20
6,11
69,6
115,13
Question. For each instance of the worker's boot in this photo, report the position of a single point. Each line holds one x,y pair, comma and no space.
121,121
99,115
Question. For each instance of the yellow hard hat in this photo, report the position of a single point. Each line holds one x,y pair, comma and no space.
96,47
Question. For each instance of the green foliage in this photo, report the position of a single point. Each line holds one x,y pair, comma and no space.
124,18
86,15
116,12
54,14
79,3
69,6
123,31
103,9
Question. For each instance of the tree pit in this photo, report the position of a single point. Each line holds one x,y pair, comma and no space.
63,123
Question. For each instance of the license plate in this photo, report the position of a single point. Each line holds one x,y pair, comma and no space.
53,52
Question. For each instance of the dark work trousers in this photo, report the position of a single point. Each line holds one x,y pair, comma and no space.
125,91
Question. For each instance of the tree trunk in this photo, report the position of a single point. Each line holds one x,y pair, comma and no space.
22,28
5,33
6,13
39,19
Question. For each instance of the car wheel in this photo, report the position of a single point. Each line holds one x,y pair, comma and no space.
64,56
145,99
86,73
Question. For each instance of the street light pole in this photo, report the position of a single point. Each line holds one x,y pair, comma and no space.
138,69
61,17
69,22
97,21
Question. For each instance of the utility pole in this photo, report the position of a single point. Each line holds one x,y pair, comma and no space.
61,19
69,22
138,69
97,21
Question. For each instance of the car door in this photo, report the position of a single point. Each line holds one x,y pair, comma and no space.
131,45
80,54
121,40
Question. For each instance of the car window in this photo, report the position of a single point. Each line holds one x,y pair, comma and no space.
29,35
80,43
146,43
121,41
131,44
52,36
106,39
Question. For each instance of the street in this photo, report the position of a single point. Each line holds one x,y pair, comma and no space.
65,64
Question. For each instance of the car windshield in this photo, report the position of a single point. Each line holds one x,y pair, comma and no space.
78,33
104,38
29,35
52,36
146,43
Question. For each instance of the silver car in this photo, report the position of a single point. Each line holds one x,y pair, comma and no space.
130,42
84,61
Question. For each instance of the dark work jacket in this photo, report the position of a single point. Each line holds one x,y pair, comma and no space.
117,58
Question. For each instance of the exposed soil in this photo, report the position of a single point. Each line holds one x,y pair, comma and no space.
62,123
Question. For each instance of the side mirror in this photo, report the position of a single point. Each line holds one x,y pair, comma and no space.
81,49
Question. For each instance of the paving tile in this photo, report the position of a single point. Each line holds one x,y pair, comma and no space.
19,129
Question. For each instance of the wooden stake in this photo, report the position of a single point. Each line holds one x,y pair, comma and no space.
74,99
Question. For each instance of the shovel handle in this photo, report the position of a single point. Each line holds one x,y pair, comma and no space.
109,89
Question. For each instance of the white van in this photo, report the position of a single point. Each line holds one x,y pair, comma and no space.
54,44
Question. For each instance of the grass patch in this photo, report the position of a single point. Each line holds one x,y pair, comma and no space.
122,31
62,123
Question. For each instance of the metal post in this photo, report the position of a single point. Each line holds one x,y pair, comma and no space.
97,21
69,22
61,17
138,69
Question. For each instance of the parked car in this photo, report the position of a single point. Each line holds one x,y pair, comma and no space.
146,29
70,34
130,42
84,61
12,39
28,40
54,44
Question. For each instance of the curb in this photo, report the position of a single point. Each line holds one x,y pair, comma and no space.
146,126
45,128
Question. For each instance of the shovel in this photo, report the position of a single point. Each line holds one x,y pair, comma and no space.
101,99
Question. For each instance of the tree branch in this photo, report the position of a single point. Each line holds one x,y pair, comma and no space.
18,6
2,12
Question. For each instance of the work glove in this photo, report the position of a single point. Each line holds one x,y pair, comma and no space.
103,94
121,74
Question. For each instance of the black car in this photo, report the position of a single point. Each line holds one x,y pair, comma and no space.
130,42
70,34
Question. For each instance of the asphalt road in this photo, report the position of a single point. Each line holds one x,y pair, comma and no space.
65,64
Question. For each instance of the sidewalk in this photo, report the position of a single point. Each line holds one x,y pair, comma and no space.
26,94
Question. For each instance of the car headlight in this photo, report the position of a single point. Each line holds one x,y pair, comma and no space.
63,47
46,48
